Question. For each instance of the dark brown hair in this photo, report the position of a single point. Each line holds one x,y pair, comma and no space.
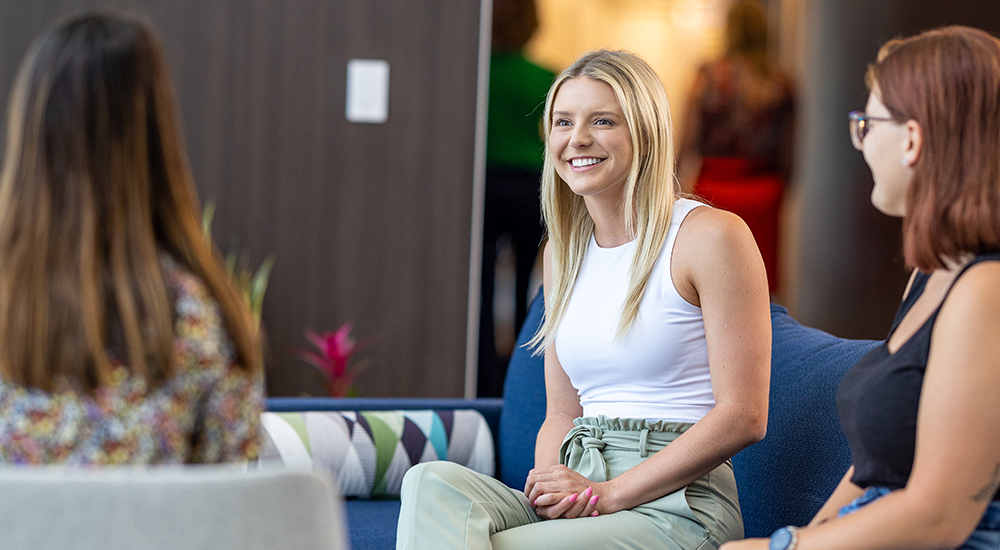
746,32
947,80
514,23
95,185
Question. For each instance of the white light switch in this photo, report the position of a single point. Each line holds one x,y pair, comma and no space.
368,90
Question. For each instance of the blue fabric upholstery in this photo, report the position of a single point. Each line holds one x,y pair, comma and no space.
524,404
372,523
782,480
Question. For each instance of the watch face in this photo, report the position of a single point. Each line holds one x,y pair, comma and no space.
781,539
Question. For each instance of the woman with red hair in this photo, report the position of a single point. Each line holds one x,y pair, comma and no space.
920,410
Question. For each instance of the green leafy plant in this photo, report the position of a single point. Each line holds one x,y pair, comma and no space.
252,284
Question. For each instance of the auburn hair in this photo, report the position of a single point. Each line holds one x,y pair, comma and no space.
95,186
948,81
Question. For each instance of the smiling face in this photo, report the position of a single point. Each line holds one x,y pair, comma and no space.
885,149
589,141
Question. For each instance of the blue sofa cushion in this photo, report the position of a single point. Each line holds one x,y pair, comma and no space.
524,404
784,479
372,523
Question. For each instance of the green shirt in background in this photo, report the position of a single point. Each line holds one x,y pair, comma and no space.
517,102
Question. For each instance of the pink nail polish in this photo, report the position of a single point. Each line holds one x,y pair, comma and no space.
534,502
594,499
573,498
588,492
594,515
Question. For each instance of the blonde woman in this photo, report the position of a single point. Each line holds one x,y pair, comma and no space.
121,338
656,343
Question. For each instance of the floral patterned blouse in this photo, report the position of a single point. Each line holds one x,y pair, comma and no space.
208,412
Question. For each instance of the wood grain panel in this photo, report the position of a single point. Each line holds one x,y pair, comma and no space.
368,223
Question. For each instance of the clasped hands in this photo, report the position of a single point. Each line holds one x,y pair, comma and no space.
559,492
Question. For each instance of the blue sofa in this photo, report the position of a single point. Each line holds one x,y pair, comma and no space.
782,480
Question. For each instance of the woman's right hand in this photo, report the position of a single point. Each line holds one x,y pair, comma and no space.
576,505
559,492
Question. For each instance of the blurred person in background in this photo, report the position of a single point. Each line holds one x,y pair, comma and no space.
514,153
122,340
736,150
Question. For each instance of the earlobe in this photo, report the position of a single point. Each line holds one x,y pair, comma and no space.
914,142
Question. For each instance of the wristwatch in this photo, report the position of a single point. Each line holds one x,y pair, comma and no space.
784,539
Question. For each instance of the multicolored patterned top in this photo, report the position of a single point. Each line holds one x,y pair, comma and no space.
208,412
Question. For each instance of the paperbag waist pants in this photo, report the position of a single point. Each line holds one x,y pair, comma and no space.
447,506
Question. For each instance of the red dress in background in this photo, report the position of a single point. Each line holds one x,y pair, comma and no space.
741,125
732,184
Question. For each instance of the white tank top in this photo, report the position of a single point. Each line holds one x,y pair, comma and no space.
659,370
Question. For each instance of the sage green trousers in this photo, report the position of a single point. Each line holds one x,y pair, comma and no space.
448,506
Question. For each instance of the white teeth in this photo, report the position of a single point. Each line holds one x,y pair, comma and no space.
585,162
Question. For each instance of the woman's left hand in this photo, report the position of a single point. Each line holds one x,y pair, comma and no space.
747,544
551,491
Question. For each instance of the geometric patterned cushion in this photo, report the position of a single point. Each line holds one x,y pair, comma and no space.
368,452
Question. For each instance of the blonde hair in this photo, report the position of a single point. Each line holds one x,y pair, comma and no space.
95,184
650,190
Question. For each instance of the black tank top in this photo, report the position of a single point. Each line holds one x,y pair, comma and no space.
878,399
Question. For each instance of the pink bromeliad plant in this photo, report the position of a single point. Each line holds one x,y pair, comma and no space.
333,360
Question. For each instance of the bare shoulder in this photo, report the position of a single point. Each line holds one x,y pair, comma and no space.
707,225
987,272
712,246
972,308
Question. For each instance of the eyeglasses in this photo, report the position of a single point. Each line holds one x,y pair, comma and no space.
860,125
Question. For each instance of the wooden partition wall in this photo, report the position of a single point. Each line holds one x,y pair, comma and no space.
367,223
